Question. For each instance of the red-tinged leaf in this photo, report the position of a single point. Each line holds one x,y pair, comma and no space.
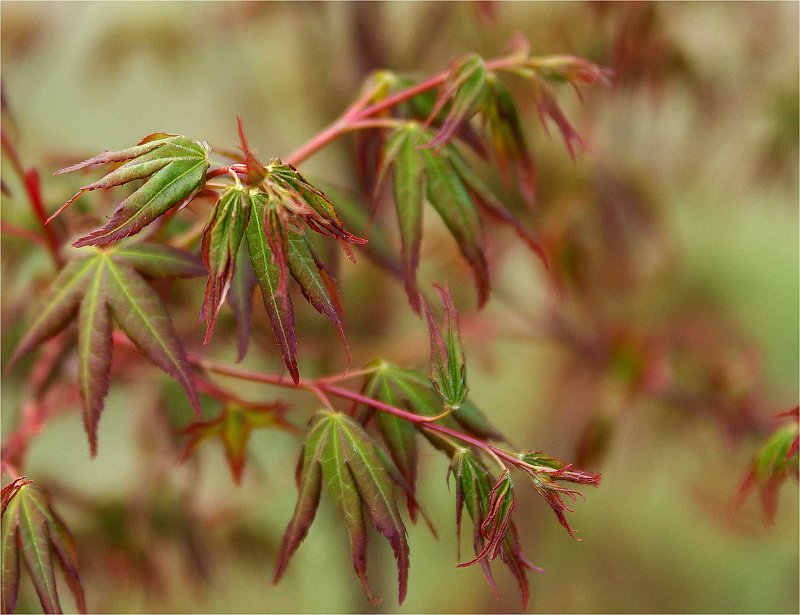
449,197
409,191
341,485
58,306
548,108
543,472
518,564
310,486
159,261
240,298
375,487
175,167
481,195
305,270
221,239
141,314
35,546
32,527
255,170
447,364
472,490
497,518
10,554
279,306
94,350
465,91
11,489
233,426
64,546
508,140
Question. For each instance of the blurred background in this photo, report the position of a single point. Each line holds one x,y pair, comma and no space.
657,352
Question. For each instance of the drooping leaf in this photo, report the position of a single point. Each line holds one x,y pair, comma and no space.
309,276
451,200
240,298
309,490
278,305
221,239
338,451
233,426
409,191
175,167
497,518
32,532
94,350
484,198
140,313
448,364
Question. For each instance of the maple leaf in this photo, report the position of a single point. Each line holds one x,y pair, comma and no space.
338,452
774,462
233,426
464,92
490,509
103,285
448,369
33,532
175,169
221,238
544,472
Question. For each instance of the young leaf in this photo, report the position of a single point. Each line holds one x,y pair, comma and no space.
340,452
233,426
33,532
278,305
543,472
497,518
221,239
175,167
448,363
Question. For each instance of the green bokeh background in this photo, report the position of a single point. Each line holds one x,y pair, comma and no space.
657,536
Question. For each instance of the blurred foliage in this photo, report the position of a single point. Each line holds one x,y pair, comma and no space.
658,350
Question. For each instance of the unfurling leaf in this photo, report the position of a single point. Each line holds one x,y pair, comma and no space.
490,509
103,285
338,452
233,426
775,461
448,369
32,531
240,298
175,169
543,472
221,239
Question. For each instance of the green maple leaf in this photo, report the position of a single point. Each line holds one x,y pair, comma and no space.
106,284
448,363
33,533
338,452
175,169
